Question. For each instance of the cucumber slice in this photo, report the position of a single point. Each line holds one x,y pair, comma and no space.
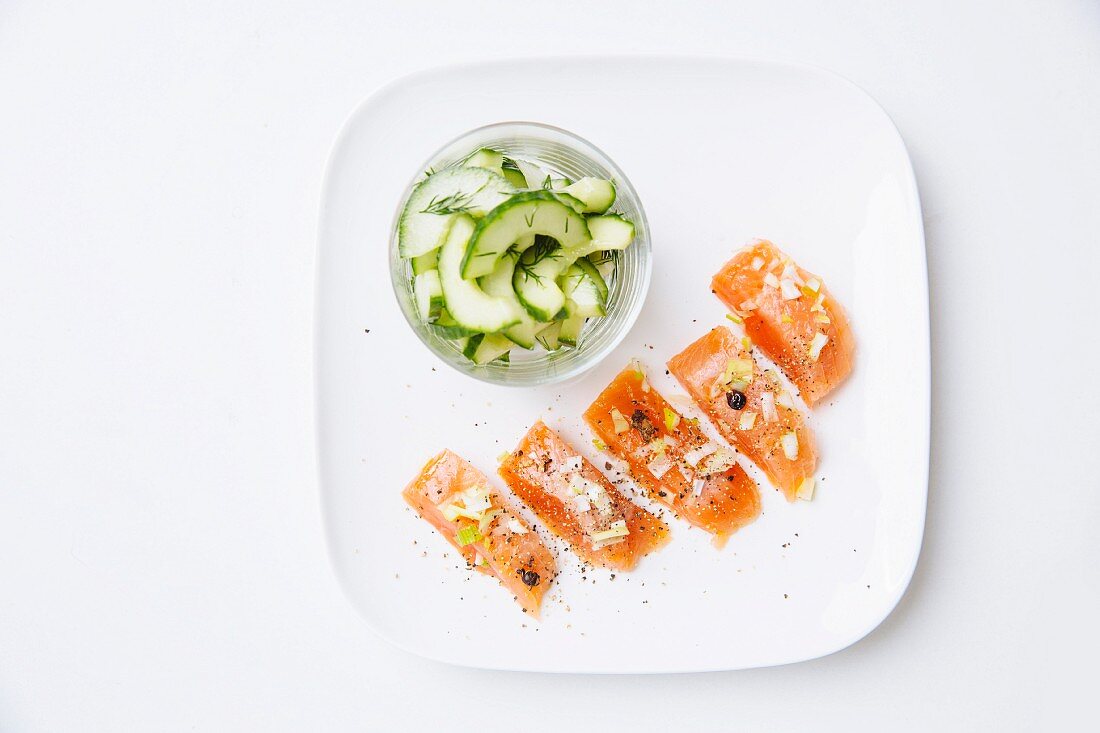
446,326
428,294
514,176
548,336
486,158
532,212
470,306
592,274
571,201
431,207
498,283
604,263
571,329
534,280
425,262
470,347
532,174
537,273
610,231
597,193
490,347
584,289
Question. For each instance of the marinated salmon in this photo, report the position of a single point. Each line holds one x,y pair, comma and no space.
790,315
750,409
578,503
671,458
457,499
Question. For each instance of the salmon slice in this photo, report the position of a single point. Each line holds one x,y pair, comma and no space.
790,314
768,428
457,499
671,458
578,503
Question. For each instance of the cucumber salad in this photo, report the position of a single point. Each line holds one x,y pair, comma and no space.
505,254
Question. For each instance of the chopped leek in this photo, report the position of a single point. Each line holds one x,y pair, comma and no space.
789,441
786,400
598,496
692,457
660,465
719,462
748,419
451,512
600,445
621,425
476,498
738,374
516,527
790,290
671,419
767,405
771,281
790,272
487,519
467,535
617,529
817,344
806,489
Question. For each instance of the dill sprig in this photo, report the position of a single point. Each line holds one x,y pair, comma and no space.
455,203
602,257
544,248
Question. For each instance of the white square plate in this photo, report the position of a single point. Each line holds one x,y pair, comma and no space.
720,151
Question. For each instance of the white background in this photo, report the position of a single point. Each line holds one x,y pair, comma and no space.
162,563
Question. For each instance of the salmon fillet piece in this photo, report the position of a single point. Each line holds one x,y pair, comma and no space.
578,503
716,366
671,458
790,315
458,500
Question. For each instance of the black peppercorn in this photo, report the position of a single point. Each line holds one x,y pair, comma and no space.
735,399
529,577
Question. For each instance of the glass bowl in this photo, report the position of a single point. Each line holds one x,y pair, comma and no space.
568,156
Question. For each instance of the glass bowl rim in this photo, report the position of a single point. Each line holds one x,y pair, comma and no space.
639,285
